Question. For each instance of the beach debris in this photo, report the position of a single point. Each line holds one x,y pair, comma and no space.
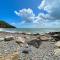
57,52
8,38
57,44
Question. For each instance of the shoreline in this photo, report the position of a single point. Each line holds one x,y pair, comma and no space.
30,30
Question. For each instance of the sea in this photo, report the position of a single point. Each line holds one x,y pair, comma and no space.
30,30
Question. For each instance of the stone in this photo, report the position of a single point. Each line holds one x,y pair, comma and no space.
57,44
23,33
56,37
35,34
1,39
57,52
25,49
28,33
52,33
35,43
8,38
20,40
45,58
44,38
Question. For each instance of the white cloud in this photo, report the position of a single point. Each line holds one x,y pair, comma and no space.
26,14
16,13
41,20
29,17
52,7
42,5
51,19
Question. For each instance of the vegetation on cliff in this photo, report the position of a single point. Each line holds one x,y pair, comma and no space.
4,24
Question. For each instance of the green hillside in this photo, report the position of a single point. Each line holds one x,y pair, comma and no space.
4,24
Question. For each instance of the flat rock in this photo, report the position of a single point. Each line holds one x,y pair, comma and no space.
44,38
57,44
8,38
20,40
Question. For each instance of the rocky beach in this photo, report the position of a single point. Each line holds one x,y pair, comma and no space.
29,46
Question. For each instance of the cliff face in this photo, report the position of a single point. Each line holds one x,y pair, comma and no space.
3,24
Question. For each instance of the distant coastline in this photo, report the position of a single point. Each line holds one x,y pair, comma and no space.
4,24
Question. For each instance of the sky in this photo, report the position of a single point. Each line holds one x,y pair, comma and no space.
31,13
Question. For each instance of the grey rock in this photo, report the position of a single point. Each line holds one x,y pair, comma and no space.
8,38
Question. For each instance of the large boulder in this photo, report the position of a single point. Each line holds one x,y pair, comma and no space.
57,44
8,38
35,43
20,40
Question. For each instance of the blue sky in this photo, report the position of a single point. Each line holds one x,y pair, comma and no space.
31,13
